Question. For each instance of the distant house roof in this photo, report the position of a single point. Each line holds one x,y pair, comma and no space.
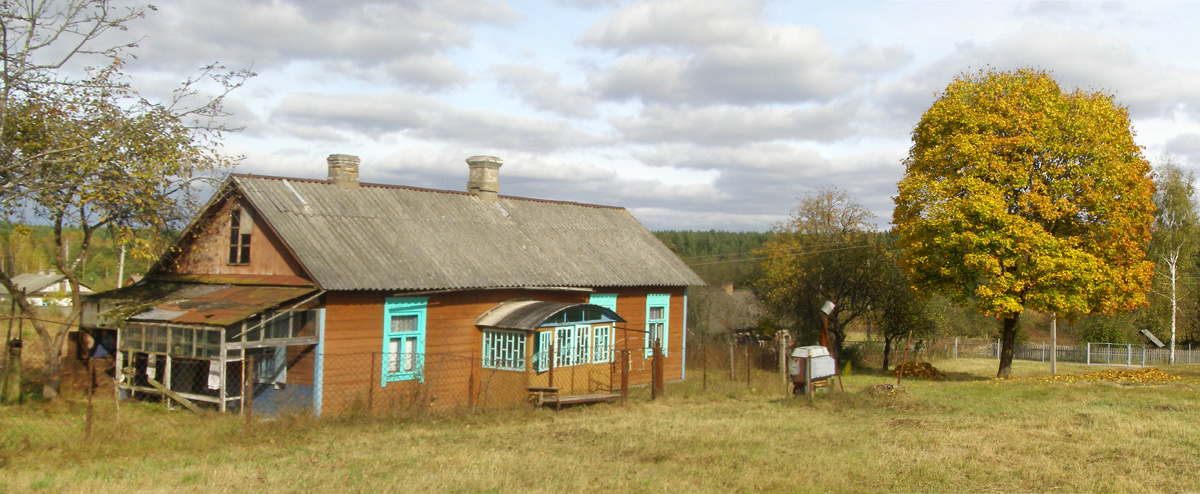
33,283
724,309
379,237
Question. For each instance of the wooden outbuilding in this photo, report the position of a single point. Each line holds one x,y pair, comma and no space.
352,295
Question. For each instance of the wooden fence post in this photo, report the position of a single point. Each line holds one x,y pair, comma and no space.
783,364
248,397
624,376
471,383
91,390
371,381
656,371
747,365
704,362
731,360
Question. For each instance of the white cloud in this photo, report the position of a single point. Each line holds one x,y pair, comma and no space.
694,23
544,91
410,39
703,52
726,125
379,114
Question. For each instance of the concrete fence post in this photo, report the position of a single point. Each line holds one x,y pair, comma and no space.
1089,353
956,347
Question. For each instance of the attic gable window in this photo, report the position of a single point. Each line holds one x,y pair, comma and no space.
240,228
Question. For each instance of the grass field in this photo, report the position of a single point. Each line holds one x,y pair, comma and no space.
967,433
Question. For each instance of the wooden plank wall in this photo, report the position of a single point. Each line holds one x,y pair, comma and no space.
453,345
208,253
631,305
302,371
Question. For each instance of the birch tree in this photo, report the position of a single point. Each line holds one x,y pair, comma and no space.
1174,236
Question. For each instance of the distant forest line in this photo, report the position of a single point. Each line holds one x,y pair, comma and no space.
31,249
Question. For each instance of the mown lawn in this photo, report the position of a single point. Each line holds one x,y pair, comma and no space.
968,433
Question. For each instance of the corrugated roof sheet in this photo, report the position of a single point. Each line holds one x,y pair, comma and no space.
217,305
35,282
528,315
402,238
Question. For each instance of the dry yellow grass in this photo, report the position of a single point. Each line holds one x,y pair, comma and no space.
967,433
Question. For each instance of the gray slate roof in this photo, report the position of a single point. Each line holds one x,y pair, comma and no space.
376,237
36,282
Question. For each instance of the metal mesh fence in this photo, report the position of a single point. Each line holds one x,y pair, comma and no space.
1087,353
379,384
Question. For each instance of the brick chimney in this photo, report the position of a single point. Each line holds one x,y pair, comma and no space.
343,170
484,180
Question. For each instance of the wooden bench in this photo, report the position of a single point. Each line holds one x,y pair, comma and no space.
549,395
540,394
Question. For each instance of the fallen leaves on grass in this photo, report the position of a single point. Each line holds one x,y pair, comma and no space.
919,369
1140,376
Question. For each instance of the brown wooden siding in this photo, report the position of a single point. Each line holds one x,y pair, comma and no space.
300,371
208,252
453,375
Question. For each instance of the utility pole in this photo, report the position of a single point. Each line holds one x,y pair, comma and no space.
1053,343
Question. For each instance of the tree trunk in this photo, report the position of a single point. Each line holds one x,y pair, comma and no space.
1173,262
50,385
887,350
1008,339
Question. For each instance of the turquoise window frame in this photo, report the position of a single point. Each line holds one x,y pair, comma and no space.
582,353
564,345
400,307
602,334
541,341
504,350
602,345
606,300
658,300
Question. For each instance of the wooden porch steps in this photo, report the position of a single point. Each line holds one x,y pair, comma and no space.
547,396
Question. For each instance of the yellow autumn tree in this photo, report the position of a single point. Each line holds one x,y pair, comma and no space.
1019,195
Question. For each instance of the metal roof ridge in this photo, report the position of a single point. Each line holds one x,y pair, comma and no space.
422,189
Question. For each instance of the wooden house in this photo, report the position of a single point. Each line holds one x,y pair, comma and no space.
347,294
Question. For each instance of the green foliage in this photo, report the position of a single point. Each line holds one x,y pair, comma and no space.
1019,195
1174,250
824,252
1099,328
718,257
29,249
898,312
88,152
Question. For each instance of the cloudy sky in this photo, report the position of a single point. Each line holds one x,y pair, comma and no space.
693,114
